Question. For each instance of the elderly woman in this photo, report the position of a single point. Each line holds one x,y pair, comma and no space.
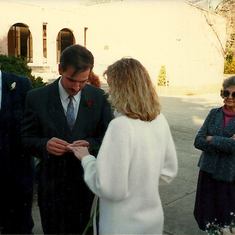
137,154
215,199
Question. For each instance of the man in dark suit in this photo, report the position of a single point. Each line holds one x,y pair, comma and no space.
16,171
64,199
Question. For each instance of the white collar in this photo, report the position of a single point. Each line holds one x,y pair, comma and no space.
0,88
64,94
117,114
0,80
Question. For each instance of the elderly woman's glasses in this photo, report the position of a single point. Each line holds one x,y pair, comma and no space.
226,94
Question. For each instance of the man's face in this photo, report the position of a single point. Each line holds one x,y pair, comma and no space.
73,84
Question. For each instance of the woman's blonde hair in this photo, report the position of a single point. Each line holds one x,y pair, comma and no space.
132,92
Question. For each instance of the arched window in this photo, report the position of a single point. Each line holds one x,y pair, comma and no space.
20,42
65,38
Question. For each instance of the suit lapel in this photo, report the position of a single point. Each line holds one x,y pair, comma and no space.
230,127
57,114
83,118
6,94
218,121
5,91
4,104
55,109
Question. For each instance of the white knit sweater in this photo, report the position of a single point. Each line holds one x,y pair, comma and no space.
134,157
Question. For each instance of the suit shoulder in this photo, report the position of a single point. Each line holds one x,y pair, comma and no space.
41,91
94,91
22,83
15,77
215,110
94,88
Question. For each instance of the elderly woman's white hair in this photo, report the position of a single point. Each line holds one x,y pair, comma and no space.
230,81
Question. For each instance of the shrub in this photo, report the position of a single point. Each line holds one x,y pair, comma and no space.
162,77
16,65
229,65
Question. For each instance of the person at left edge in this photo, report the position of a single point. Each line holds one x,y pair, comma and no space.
16,171
64,199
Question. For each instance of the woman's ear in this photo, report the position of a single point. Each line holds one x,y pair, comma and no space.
221,93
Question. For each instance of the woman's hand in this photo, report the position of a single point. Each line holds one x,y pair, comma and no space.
82,143
208,138
79,152
78,143
233,137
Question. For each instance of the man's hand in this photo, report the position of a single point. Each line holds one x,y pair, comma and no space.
57,146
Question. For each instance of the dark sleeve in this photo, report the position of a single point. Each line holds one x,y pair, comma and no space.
24,85
224,144
106,117
200,139
27,85
32,144
218,143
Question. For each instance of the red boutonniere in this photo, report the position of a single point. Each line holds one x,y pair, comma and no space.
89,104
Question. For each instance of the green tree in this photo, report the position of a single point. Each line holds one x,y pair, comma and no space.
226,8
17,65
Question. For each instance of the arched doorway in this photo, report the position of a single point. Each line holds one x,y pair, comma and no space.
20,41
65,38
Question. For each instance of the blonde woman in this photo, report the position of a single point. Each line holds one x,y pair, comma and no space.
136,155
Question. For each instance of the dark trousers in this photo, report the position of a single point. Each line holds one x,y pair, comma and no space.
66,215
16,199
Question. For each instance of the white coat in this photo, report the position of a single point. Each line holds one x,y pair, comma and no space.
134,158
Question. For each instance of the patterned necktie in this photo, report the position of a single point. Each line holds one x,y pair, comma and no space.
70,113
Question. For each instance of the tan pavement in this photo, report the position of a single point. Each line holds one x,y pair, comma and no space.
185,115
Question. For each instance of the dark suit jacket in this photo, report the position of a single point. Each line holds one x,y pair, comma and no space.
12,108
218,155
61,187
16,173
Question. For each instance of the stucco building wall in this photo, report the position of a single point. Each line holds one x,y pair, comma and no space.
157,33
189,42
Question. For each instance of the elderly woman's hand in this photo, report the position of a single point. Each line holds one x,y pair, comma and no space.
80,152
233,137
208,138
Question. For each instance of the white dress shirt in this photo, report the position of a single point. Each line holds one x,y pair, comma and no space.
65,100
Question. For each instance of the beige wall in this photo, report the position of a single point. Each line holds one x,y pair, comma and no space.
157,33
170,33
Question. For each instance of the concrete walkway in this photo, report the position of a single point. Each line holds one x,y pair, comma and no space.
185,115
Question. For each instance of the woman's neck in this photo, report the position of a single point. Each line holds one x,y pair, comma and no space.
229,109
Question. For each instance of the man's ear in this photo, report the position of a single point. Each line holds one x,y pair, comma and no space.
60,69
